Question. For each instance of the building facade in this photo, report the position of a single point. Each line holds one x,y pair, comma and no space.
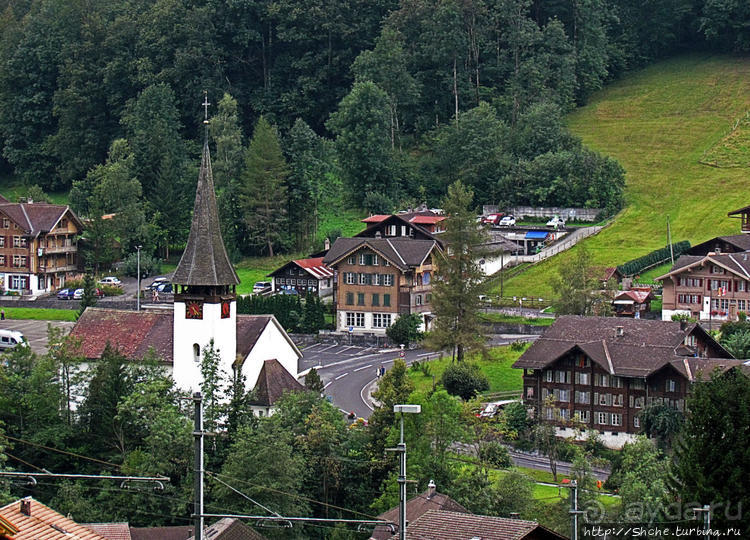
599,373
379,279
303,276
711,287
38,246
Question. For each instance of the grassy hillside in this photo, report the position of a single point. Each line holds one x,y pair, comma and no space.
659,123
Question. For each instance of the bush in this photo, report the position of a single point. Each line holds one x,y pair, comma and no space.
74,283
495,454
405,330
464,379
149,265
111,290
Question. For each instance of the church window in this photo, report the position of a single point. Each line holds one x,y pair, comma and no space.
196,352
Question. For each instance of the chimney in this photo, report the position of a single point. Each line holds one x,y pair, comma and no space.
431,489
683,325
26,507
378,235
619,331
327,244
515,515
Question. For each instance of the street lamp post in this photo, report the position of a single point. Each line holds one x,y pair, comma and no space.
138,269
401,449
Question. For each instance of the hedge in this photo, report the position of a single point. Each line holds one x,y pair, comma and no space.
656,257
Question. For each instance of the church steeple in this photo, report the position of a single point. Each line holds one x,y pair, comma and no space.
205,263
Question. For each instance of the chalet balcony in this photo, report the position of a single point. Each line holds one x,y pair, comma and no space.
60,249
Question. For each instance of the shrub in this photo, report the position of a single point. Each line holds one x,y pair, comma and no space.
405,330
656,257
495,454
149,265
464,379
111,290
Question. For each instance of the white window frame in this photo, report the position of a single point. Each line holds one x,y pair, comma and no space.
359,319
388,280
601,418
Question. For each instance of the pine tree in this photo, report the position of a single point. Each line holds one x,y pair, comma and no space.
263,192
89,293
455,296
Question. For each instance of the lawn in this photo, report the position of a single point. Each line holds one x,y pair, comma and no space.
495,317
497,367
40,314
12,188
658,123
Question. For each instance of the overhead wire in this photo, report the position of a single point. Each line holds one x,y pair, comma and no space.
65,452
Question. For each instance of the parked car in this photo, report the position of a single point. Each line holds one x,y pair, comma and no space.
492,219
156,282
110,280
261,287
556,222
11,338
65,294
507,221
164,287
77,294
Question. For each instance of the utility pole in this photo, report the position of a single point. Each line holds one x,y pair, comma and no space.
574,512
669,241
401,449
138,291
706,511
198,481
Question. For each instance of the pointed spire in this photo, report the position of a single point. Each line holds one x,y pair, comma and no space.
205,261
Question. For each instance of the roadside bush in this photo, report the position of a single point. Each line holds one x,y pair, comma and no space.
405,330
465,380
74,283
111,290
149,265
495,454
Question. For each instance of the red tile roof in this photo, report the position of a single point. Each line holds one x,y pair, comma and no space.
133,333
638,296
230,529
416,507
377,218
315,267
43,523
111,531
442,525
179,532
426,220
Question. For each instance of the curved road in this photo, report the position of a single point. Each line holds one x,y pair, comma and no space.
347,371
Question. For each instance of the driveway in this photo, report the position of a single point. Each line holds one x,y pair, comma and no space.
35,331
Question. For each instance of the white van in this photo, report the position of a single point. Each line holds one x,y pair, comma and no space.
10,339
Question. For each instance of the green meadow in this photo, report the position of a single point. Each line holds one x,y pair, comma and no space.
660,123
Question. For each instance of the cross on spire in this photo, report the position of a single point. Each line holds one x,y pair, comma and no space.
205,107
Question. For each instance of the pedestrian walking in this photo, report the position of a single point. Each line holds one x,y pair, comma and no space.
2,314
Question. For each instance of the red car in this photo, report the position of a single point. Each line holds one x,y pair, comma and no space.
492,219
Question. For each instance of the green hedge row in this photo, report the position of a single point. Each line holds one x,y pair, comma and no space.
656,257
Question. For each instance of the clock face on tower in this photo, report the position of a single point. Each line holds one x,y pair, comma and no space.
226,309
193,310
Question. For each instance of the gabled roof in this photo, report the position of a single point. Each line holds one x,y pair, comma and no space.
636,295
313,266
736,263
230,529
401,252
377,227
273,381
644,347
416,507
133,333
377,218
205,260
742,210
427,220
439,524
739,241
111,531
37,218
177,532
43,523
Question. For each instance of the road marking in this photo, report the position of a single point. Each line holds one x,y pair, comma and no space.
361,395
426,354
346,349
363,367
313,346
341,376
327,385
350,359
331,347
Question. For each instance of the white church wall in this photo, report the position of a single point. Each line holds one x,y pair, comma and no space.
271,344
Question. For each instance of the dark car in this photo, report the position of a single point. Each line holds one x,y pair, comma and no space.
164,287
66,294
156,283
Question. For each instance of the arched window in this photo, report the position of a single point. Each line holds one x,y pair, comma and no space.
196,352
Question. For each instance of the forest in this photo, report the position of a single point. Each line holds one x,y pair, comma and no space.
370,105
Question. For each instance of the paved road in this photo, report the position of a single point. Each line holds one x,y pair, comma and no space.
348,371
522,459
35,331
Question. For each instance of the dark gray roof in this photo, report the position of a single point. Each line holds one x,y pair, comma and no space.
273,382
36,218
644,347
401,252
205,261
740,241
230,529
738,263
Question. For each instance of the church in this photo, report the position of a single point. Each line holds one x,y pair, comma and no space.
205,310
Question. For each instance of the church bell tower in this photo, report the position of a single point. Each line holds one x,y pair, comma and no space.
205,282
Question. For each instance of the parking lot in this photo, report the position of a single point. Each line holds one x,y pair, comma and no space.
35,331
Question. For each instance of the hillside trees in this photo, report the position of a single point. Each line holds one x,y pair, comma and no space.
456,292
362,128
263,192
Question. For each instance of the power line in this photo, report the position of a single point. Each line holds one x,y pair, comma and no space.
62,451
